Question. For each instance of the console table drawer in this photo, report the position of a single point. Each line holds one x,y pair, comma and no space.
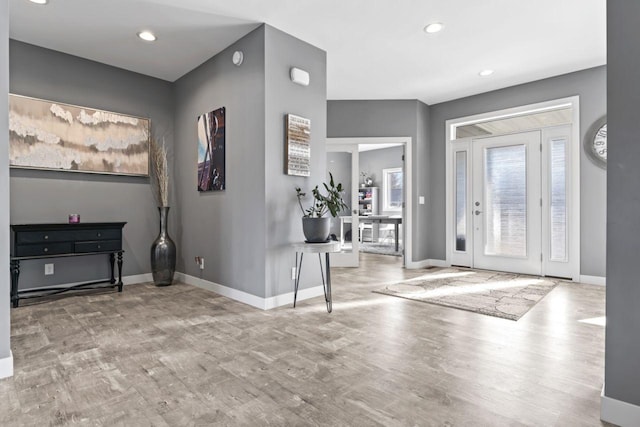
43,249
27,237
98,246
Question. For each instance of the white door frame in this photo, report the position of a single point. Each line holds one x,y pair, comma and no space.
574,103
407,220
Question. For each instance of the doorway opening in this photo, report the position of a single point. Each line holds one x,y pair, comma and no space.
513,190
376,174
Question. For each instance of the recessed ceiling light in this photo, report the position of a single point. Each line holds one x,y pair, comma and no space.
485,73
147,36
39,1
434,27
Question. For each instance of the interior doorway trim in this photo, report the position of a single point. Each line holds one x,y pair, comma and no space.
407,226
572,102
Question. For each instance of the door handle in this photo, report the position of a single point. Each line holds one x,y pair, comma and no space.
355,212
478,212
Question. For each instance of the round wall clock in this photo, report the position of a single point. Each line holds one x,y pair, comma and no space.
595,143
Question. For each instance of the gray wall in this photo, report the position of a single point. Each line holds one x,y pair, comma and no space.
283,223
49,196
227,228
591,86
245,232
374,161
4,179
421,171
407,118
622,347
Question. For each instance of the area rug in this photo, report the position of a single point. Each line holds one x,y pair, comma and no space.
504,295
380,248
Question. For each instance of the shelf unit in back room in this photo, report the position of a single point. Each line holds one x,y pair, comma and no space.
368,205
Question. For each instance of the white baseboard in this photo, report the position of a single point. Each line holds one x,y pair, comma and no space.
413,265
286,299
437,263
247,298
244,297
617,412
137,278
6,366
593,280
426,263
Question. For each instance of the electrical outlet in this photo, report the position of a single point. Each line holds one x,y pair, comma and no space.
201,264
48,269
293,273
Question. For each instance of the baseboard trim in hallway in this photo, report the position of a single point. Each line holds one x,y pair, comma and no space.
240,296
593,280
6,366
617,412
287,299
247,298
425,263
137,278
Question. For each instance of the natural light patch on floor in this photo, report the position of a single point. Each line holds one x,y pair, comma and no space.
350,305
599,321
474,289
448,275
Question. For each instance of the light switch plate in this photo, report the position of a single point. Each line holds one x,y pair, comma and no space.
421,200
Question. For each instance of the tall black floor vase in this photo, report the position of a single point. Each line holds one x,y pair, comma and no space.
163,253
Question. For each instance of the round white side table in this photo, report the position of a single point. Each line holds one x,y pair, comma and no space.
316,248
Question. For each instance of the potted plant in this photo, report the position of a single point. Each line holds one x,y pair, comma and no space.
315,224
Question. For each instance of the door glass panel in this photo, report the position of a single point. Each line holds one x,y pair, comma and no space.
558,204
461,201
505,178
339,165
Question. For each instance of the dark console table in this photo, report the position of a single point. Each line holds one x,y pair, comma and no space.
38,241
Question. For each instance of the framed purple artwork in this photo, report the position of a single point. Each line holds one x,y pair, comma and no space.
211,151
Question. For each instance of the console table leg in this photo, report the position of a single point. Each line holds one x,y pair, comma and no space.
15,275
112,261
119,271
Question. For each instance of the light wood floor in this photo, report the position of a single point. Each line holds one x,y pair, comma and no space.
183,356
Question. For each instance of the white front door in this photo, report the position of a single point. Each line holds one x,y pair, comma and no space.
506,203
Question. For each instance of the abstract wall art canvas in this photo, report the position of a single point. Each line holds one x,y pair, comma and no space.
211,151
52,135
297,146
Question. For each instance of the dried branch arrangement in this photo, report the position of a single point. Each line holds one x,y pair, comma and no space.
159,171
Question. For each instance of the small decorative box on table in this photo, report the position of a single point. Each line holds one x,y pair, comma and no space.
38,241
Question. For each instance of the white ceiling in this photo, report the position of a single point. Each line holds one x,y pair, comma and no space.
375,49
